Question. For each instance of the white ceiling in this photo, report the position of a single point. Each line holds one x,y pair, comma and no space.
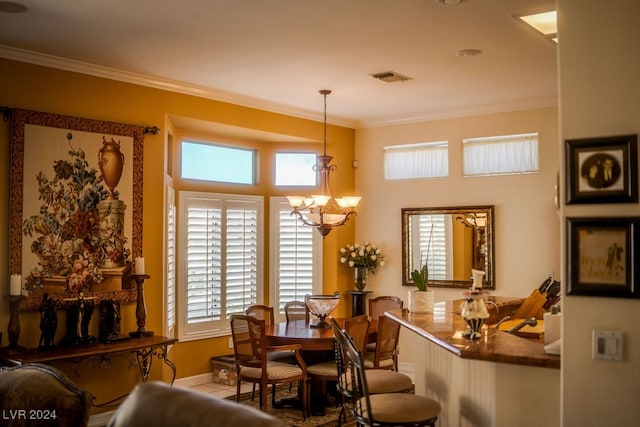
277,54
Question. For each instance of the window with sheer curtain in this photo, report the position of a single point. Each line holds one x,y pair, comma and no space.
501,155
415,161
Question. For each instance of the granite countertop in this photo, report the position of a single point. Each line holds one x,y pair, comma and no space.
444,327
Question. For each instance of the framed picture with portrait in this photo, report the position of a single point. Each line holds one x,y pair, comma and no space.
602,170
602,257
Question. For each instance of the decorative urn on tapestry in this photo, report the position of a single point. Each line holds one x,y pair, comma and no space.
111,163
363,259
111,210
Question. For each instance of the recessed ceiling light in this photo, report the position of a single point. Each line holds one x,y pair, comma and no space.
449,2
12,7
545,23
469,52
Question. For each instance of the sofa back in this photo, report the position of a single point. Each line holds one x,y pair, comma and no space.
160,405
35,394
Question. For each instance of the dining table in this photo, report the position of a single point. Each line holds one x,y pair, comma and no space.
309,337
317,345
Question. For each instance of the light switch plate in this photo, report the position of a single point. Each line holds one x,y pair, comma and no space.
608,345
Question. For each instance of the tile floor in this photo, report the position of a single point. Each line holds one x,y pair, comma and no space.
220,390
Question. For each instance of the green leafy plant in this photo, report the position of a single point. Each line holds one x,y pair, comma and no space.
421,277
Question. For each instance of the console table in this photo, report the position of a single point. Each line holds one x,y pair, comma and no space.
138,351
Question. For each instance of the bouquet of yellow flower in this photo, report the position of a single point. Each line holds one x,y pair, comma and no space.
357,255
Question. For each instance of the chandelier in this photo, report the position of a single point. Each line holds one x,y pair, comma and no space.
321,210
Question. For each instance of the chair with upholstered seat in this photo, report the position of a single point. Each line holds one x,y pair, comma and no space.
296,310
261,312
382,409
326,371
378,305
379,380
251,351
264,312
385,353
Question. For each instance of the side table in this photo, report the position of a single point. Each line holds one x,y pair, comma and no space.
358,299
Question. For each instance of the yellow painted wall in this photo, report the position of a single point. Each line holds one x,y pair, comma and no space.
51,90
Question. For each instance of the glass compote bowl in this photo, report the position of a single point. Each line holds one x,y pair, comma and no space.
321,306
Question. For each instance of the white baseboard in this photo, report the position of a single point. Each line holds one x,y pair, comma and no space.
194,380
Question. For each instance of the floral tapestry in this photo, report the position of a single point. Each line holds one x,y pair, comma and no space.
63,231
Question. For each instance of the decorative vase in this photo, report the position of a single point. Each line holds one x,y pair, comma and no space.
360,275
421,301
474,312
111,163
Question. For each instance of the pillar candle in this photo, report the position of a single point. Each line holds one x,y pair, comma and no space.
139,266
16,285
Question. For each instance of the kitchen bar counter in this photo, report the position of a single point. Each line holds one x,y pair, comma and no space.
499,380
444,328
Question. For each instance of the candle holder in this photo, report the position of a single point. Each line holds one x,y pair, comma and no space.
13,329
141,309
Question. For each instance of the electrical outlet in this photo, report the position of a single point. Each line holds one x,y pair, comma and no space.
608,345
230,342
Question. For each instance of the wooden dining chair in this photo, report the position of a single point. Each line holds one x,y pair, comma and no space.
379,380
253,365
326,371
382,409
264,312
296,310
385,352
261,312
378,305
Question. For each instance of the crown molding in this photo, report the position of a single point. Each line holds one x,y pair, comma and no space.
250,102
478,110
52,61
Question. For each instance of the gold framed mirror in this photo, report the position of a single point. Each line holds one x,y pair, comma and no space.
454,240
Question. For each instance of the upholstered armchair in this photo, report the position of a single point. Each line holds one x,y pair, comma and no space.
39,395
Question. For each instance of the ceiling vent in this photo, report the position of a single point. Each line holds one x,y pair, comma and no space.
391,77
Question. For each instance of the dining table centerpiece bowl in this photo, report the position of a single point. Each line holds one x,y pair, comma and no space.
321,306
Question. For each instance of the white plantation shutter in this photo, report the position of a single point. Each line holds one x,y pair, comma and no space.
241,258
171,263
296,257
222,243
434,228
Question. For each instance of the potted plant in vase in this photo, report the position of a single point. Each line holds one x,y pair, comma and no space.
421,299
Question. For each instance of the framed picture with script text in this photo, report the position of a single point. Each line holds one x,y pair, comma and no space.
602,257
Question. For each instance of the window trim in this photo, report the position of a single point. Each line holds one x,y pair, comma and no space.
218,328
